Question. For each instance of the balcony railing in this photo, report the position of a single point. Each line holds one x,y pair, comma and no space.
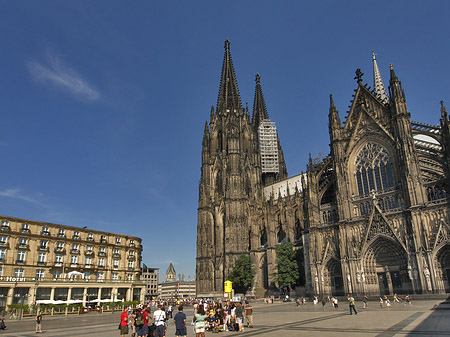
43,248
75,251
45,233
101,254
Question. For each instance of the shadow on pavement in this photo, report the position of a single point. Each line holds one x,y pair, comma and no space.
437,323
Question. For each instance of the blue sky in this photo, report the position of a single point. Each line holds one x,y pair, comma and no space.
103,103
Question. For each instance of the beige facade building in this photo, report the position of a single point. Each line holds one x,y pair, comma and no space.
44,261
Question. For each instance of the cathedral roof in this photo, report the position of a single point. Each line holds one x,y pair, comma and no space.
171,269
229,97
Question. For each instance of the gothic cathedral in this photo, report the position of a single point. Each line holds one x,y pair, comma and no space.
371,218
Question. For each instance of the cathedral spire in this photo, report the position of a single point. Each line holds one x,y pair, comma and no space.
444,115
229,97
259,105
395,87
334,120
378,85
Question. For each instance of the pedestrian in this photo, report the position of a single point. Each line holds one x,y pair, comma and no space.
39,322
124,323
336,303
159,316
248,312
365,304
199,318
324,303
180,323
239,316
351,305
2,324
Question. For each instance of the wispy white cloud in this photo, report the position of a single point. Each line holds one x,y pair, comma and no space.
16,193
62,77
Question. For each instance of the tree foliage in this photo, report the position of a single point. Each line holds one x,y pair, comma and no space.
287,269
242,274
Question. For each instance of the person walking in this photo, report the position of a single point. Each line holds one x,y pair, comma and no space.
124,323
248,312
324,303
365,304
159,316
39,322
351,305
200,317
180,323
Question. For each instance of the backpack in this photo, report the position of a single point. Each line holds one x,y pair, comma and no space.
140,320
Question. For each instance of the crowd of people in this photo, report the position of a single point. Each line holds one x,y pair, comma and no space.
213,316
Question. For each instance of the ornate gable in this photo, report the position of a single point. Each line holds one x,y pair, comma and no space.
366,116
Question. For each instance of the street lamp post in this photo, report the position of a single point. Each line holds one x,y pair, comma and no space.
113,305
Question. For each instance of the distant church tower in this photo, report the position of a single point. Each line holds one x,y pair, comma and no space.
233,175
170,273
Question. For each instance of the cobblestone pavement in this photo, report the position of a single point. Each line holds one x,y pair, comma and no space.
279,319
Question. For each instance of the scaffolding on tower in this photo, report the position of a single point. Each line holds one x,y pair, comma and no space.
268,146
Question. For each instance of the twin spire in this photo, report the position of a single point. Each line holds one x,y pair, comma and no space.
229,97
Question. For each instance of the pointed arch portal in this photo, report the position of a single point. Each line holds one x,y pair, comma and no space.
385,264
442,263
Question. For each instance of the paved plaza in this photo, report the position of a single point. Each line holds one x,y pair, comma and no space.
423,318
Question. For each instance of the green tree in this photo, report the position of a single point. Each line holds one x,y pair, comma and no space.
242,274
287,269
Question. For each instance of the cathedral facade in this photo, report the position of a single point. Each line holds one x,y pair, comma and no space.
370,218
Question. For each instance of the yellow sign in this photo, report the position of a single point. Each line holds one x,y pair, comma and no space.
228,285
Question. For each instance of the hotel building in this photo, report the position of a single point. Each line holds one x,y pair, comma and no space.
45,261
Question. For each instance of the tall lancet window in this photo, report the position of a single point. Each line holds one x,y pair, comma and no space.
373,169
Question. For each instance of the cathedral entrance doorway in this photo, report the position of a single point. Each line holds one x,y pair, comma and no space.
333,277
443,266
385,264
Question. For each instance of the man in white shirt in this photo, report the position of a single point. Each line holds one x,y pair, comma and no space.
160,317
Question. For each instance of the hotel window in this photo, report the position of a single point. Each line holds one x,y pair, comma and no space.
20,256
25,228
42,257
101,262
73,259
88,249
45,231
115,276
59,246
75,247
18,272
58,259
56,273
39,273
90,237
129,277
88,260
117,241
131,253
3,240
2,254
76,235
61,233
23,242
5,225
87,275
131,243
116,251
1,271
103,239
43,244
116,264
130,264
100,276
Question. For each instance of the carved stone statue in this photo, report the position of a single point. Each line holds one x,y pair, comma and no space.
426,273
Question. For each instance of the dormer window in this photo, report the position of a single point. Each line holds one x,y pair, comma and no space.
131,243
90,237
25,228
45,231
5,225
117,241
76,235
103,239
